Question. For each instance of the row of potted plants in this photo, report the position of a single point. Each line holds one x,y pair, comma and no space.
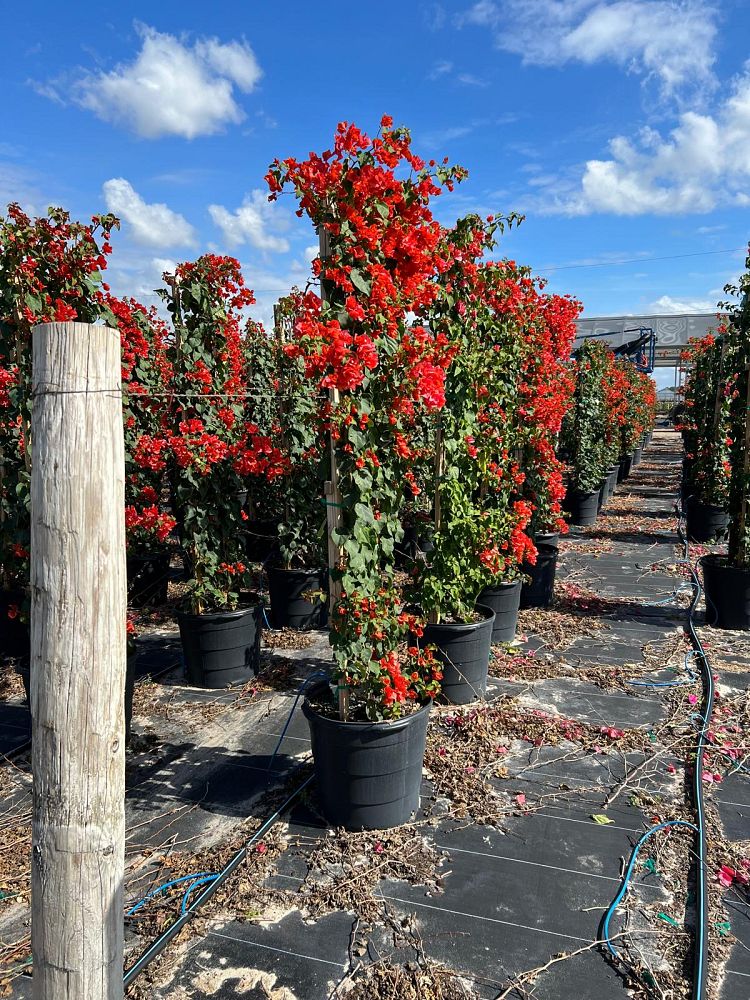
715,426
429,381
605,429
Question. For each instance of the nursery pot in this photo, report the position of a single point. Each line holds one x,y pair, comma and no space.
15,637
603,496
582,508
637,456
289,607
221,647
148,579
727,592
626,465
504,600
368,773
464,651
261,539
412,546
547,538
539,591
612,480
705,521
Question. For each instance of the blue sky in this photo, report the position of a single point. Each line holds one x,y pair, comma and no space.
620,127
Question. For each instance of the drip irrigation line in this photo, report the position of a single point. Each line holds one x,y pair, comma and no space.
700,961
187,911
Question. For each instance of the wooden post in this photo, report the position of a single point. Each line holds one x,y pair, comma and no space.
745,469
78,651
332,492
717,401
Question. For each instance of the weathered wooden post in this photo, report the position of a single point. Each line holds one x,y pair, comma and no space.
78,651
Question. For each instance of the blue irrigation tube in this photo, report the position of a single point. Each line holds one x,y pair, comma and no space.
606,936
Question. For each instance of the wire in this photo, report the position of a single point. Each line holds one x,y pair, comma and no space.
640,260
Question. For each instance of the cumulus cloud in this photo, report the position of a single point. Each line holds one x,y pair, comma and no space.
154,225
702,164
666,304
670,42
256,222
172,87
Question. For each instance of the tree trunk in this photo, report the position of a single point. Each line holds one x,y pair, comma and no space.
78,651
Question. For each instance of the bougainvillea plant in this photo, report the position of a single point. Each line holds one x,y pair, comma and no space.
705,420
302,522
481,516
547,389
736,329
50,270
383,377
207,446
146,370
584,428
640,401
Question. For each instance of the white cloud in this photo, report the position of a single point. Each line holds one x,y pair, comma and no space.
672,42
441,68
666,304
172,88
252,223
703,163
153,225
469,80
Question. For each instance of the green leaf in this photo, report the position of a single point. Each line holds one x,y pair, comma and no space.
359,281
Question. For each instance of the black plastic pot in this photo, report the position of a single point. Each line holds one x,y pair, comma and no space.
261,539
612,481
289,607
582,508
547,538
705,522
222,647
727,592
637,456
625,467
148,579
539,591
504,600
368,773
412,546
603,496
464,650
15,637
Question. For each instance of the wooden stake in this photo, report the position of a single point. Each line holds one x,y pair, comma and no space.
78,652
745,470
432,617
332,492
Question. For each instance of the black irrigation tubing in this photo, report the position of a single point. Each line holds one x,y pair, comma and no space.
158,946
700,962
